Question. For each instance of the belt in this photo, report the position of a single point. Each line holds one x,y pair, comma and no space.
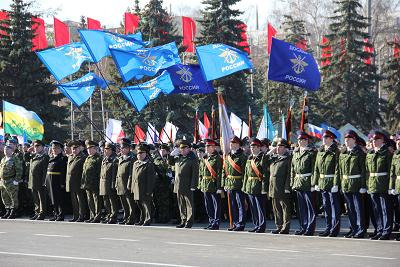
303,175
54,173
326,176
208,177
377,174
254,178
351,176
234,177
398,177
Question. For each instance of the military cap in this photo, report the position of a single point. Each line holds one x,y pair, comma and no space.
391,143
183,144
194,146
109,145
255,142
282,142
303,135
57,143
351,134
360,141
236,140
38,142
265,142
201,145
90,143
125,142
142,148
165,146
102,143
210,142
329,134
75,143
378,135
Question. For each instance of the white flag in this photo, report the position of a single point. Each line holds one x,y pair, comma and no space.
114,128
151,134
225,127
168,133
203,131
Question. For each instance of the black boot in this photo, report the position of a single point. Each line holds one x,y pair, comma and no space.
13,214
5,216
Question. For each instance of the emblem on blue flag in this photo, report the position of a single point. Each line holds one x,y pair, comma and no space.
290,64
219,60
140,95
64,60
188,79
80,90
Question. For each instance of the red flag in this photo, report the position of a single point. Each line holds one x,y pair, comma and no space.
140,136
243,36
196,128
61,33
93,24
302,45
131,23
288,124
271,33
3,16
326,52
370,50
39,41
189,33
207,123
120,136
304,114
396,47
250,121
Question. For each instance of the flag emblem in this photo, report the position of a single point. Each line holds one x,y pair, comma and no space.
148,59
185,74
229,56
298,64
77,54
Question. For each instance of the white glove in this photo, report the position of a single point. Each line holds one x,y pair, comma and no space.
192,189
393,192
363,190
15,183
334,189
287,191
219,191
226,188
312,189
316,188
175,152
264,193
173,181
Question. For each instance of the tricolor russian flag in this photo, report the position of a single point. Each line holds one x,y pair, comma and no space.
315,131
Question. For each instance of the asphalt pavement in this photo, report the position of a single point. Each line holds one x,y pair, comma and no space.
44,243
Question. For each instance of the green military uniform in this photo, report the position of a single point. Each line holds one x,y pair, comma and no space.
26,201
37,177
108,174
279,190
125,164
10,175
161,190
395,172
232,179
142,185
210,181
73,185
253,183
90,183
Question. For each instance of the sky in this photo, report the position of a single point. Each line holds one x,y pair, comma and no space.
109,12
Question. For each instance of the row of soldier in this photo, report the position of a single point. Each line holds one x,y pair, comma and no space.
247,177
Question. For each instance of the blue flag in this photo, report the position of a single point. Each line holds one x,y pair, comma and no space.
99,42
188,79
80,90
140,95
219,60
289,64
144,61
64,60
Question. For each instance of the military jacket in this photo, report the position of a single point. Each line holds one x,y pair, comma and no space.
254,183
395,171
74,172
350,172
378,170
163,171
10,169
56,169
142,179
232,177
279,179
38,171
108,175
186,172
302,169
325,167
91,173
210,179
124,171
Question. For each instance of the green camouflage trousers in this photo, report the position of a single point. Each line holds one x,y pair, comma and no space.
9,195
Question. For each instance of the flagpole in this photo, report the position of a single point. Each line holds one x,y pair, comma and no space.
91,114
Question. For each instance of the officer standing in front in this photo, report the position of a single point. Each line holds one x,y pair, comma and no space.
395,173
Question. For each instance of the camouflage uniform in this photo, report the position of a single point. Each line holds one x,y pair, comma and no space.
161,190
10,176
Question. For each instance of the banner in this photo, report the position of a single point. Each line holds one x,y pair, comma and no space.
188,33
113,130
188,79
61,33
266,129
151,134
131,23
168,133
39,41
93,24
225,127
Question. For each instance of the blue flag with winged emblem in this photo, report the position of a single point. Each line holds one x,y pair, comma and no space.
80,90
140,95
188,79
219,60
144,61
99,42
64,60
290,64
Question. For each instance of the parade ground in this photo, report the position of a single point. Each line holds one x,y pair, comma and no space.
34,243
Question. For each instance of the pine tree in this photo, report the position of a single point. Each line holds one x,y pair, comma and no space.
348,93
24,79
220,25
137,8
